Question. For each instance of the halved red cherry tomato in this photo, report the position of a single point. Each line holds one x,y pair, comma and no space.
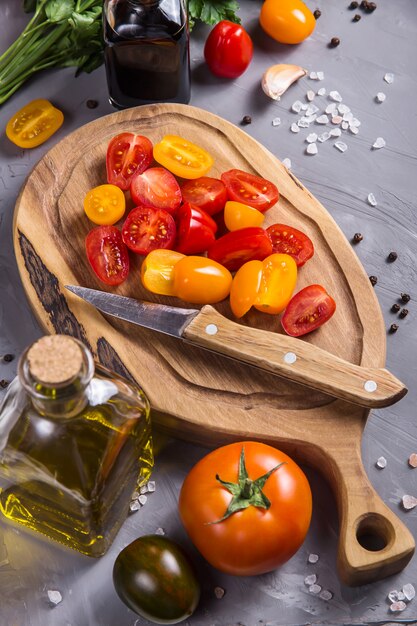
307,310
201,280
34,124
107,254
157,271
207,193
105,204
238,215
228,49
279,277
157,188
236,248
181,157
288,240
250,189
146,229
196,230
127,155
245,286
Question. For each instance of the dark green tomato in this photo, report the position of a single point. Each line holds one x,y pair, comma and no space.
153,576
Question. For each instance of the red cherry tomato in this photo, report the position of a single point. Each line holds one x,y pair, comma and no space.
307,310
156,188
228,49
239,246
146,229
288,240
207,193
107,254
196,230
250,189
127,155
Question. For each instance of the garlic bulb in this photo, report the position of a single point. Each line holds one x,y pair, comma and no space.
278,78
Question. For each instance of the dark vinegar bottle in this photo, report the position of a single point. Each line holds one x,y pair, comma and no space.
147,55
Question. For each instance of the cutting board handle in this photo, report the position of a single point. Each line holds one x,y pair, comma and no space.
373,542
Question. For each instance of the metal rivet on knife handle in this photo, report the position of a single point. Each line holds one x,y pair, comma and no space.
211,329
370,385
290,358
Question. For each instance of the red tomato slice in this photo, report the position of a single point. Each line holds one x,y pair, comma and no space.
249,189
239,246
127,155
146,229
156,188
196,230
307,310
288,240
107,254
207,193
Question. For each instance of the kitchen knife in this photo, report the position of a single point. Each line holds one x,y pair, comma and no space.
278,354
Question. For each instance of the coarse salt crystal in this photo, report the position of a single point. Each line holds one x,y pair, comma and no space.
396,607
134,506
324,136
320,75
343,108
331,109
295,128
310,95
287,163
345,125
409,502
313,558
311,138
336,119
341,146
322,119
310,579
219,592
321,91
412,460
326,594
355,122
151,486
382,461
380,97
313,75
303,122
311,109
312,148
54,596
409,591
276,121
389,78
348,117
336,132
354,130
304,106
335,95
143,499
314,589
296,106
393,596
143,489
310,118
372,201
159,531
379,143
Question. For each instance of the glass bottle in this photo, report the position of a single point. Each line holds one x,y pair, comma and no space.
75,443
146,52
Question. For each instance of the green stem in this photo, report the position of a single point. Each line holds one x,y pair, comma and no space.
36,22
247,489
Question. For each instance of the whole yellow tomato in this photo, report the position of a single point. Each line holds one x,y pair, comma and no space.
287,21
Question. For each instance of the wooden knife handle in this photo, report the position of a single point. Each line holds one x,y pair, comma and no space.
294,359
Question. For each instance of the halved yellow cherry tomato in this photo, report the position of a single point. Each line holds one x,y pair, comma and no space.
157,271
279,277
245,287
201,280
238,215
34,124
181,157
105,205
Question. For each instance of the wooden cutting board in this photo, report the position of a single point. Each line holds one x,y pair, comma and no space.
196,394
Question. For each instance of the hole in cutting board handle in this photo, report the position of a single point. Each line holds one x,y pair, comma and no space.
374,532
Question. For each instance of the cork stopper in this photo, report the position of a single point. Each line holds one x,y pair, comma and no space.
55,359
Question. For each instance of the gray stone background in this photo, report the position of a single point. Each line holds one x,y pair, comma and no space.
384,41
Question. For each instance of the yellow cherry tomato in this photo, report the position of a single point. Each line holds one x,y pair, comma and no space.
279,277
245,287
105,205
287,21
157,271
34,124
237,215
181,157
201,280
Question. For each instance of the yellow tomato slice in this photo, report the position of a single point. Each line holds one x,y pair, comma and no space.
238,215
157,271
279,277
105,204
201,280
181,157
34,124
245,287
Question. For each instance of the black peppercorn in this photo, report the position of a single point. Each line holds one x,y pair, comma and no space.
373,280
371,6
246,119
92,104
404,313
405,297
357,237
364,4
393,256
393,328
8,358
395,307
317,13
353,5
356,18
4,383
334,42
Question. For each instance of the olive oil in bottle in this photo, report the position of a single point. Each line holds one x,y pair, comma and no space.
75,443
146,51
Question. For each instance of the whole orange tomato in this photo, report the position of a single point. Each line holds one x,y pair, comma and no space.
287,21
246,507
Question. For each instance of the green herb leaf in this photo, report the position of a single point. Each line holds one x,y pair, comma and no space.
213,11
59,10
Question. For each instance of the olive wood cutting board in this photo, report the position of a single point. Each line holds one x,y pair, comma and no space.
200,395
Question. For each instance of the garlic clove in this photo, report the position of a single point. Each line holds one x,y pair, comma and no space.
278,78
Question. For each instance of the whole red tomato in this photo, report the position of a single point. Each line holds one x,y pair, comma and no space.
260,537
228,50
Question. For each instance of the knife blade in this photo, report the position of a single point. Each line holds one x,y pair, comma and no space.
278,354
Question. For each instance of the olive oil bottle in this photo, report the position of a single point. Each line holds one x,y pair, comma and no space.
75,443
